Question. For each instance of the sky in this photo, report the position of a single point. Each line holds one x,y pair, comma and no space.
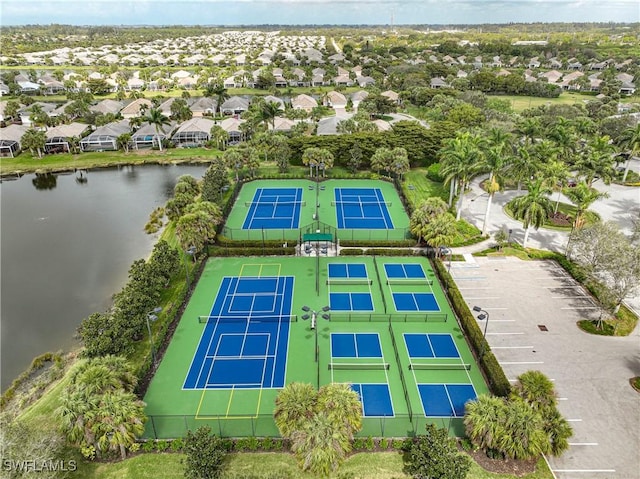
306,12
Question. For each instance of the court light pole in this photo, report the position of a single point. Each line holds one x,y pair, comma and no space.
483,316
152,316
319,167
188,252
313,315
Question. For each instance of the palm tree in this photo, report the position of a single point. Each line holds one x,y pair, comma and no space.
123,141
156,118
217,91
483,421
312,157
533,208
525,166
630,140
440,231
234,160
565,141
341,405
295,406
582,196
319,446
524,437
529,129
267,113
460,158
496,161
34,140
536,389
219,135
597,160
119,421
399,162
556,175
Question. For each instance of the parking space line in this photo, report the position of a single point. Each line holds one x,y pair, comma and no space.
570,297
502,334
583,470
503,321
574,420
482,298
512,347
478,287
496,309
521,362
582,443
582,307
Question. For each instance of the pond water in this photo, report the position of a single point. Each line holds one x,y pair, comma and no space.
66,244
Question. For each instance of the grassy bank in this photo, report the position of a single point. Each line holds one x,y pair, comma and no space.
26,163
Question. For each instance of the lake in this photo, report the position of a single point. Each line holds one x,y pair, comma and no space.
66,244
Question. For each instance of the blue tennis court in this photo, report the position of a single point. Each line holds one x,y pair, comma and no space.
244,342
404,271
423,345
355,345
375,399
350,302
361,208
347,270
445,400
415,302
274,208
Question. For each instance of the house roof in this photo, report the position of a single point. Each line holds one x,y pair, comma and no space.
204,104
196,124
107,106
336,98
275,99
231,124
303,101
392,95
67,131
133,108
282,124
13,132
148,129
236,103
114,129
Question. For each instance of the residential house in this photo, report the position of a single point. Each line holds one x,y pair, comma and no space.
438,83
554,63
50,86
4,89
392,95
496,62
275,99
534,63
25,112
627,88
282,124
10,139
235,105
107,106
574,64
304,102
59,137
136,108
232,127
365,81
105,138
203,106
193,132
28,87
357,97
147,136
335,100
342,80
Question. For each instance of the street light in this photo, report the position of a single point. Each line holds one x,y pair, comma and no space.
319,167
483,316
152,316
447,252
190,251
313,315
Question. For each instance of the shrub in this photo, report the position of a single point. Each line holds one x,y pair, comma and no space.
162,446
378,243
596,327
254,251
384,443
370,444
148,446
433,173
434,455
351,252
177,445
205,454
391,252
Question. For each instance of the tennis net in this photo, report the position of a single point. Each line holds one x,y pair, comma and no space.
439,366
275,203
254,318
348,281
358,366
409,281
361,203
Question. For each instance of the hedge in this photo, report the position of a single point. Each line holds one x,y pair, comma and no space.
267,251
391,252
231,243
351,252
378,243
498,382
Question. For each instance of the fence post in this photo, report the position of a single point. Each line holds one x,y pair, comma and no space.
153,426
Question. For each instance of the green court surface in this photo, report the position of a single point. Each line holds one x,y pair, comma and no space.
323,193
238,411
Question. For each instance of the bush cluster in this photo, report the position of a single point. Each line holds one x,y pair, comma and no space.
378,243
254,251
498,382
222,240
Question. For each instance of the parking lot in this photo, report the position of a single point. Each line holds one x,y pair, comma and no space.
533,308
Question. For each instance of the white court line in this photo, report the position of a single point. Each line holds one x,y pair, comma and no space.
521,362
583,470
582,443
502,334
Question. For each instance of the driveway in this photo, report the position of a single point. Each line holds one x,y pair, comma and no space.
533,307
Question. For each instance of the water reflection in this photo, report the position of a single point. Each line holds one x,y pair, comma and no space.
45,181
82,177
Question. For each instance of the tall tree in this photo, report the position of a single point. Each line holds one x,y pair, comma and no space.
217,91
582,196
460,158
556,175
219,136
214,180
234,160
496,160
156,118
596,161
123,141
33,139
533,208
630,141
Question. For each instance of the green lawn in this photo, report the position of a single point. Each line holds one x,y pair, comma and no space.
423,187
25,163
379,465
